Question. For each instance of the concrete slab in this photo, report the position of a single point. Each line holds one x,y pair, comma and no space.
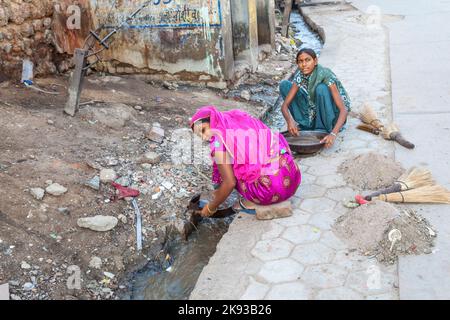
4,291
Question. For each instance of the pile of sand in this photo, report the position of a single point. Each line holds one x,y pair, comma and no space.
370,171
364,227
417,237
367,228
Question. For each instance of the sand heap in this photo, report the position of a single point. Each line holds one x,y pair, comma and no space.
370,171
367,227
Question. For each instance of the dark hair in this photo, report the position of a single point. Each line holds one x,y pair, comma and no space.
309,51
205,120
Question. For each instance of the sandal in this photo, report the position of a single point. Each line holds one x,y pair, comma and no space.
246,210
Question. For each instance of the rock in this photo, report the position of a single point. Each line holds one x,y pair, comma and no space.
98,223
123,218
48,182
108,175
56,189
151,157
279,210
95,263
28,286
50,122
245,95
217,85
114,116
37,193
109,275
138,108
15,297
119,263
4,291
156,134
25,265
65,211
94,183
43,217
167,185
146,166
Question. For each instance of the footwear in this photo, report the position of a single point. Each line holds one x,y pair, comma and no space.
244,209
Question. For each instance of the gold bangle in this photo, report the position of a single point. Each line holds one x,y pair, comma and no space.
207,207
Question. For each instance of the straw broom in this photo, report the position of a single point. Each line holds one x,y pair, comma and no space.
368,116
392,132
427,194
368,128
411,179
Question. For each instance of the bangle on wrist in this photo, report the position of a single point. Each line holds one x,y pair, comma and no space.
210,212
333,134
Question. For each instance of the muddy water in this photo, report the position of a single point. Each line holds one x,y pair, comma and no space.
178,276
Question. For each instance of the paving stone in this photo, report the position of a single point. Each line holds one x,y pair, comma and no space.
371,281
318,205
307,179
323,170
331,181
341,194
354,144
352,260
324,276
332,241
281,271
272,249
255,290
275,230
340,293
323,220
302,234
289,291
314,253
298,218
310,191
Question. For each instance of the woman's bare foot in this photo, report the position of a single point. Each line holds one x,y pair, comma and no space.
248,204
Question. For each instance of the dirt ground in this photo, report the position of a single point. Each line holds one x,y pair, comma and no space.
38,242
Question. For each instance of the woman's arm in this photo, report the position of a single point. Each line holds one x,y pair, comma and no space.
292,125
329,140
228,182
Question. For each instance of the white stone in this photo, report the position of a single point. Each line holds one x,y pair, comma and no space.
37,193
302,234
123,218
95,263
25,265
313,253
325,276
109,275
281,271
98,223
272,249
56,189
151,157
108,175
318,205
289,291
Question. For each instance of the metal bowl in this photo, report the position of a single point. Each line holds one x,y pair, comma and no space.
307,142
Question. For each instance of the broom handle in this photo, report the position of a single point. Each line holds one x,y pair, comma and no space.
396,187
368,128
397,136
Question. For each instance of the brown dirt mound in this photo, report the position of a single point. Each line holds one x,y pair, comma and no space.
370,171
363,228
417,237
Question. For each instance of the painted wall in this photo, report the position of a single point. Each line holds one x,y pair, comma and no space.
186,38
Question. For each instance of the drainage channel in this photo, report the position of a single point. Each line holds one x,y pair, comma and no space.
175,276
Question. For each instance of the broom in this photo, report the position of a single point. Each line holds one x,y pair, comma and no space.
427,194
413,178
368,128
368,116
392,132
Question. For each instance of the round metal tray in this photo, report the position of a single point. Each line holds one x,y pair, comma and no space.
307,142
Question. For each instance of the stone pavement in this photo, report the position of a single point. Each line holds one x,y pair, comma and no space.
299,257
420,63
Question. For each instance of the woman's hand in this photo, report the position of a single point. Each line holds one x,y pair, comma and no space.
205,213
293,128
329,140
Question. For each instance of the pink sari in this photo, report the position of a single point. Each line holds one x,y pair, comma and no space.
262,162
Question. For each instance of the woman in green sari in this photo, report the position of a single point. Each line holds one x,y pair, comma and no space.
315,100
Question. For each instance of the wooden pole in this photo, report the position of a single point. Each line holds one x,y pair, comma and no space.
286,16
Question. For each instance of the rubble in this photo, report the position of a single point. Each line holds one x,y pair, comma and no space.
108,175
37,193
156,134
55,189
98,223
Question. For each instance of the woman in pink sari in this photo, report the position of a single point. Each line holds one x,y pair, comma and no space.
247,156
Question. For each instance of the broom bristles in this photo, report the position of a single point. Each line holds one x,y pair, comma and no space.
368,115
416,178
427,194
